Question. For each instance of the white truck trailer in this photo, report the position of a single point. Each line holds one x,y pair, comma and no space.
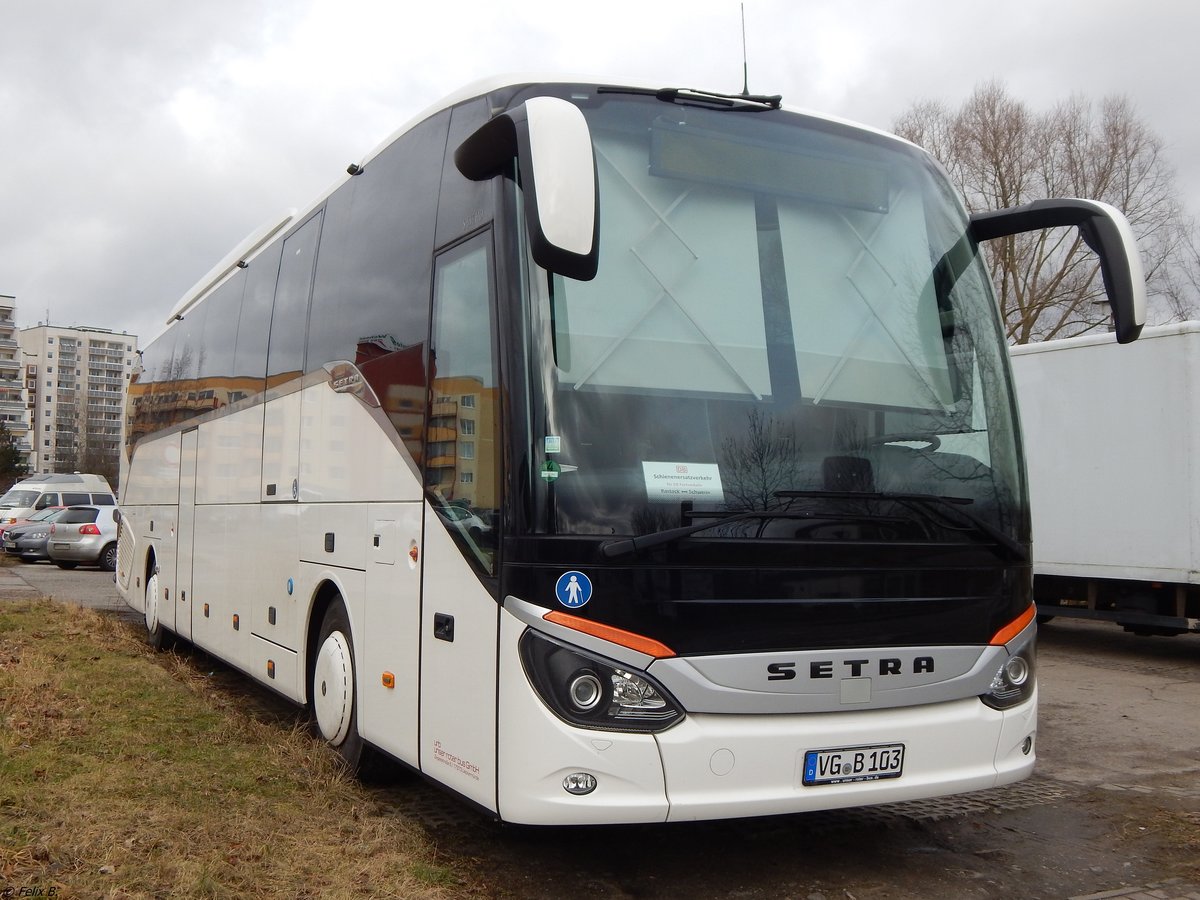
1112,436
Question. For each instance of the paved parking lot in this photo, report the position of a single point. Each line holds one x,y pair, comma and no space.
1113,810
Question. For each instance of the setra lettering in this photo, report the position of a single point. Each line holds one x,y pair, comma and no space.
853,668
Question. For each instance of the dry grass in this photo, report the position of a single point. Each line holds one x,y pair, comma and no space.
128,774
1181,831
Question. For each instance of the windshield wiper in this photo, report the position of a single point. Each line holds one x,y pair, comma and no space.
703,98
956,505
626,546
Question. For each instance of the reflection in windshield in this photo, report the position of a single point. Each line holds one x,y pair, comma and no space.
773,314
19,498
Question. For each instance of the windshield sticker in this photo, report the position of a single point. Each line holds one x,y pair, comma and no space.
574,589
553,443
683,481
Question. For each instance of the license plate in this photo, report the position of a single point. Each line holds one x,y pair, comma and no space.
846,764
61,546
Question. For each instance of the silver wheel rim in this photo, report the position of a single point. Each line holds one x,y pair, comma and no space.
333,688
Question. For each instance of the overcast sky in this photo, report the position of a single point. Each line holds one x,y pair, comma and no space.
143,139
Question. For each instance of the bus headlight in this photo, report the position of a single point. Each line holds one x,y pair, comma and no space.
1014,680
592,692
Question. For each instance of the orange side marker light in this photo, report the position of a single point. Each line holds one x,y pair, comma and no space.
1015,627
637,642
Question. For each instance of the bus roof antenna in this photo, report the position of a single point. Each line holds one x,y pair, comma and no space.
745,69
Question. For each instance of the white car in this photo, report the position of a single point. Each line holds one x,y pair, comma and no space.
464,520
84,535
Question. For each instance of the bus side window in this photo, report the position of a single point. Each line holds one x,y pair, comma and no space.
289,315
463,440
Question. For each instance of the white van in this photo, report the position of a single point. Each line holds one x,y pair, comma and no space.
40,491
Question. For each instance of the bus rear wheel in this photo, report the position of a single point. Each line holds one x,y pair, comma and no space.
333,691
156,633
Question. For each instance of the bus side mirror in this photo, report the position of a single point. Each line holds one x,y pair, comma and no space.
552,144
1104,229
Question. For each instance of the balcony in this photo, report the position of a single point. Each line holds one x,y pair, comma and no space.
10,365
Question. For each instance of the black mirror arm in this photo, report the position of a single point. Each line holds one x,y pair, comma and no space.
1103,229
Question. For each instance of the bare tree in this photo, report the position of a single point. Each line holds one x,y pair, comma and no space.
759,464
1002,154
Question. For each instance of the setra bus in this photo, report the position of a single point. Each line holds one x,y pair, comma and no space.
610,454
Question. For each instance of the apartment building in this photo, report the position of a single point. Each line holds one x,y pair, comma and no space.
76,379
12,400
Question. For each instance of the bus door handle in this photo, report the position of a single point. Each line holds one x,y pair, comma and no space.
443,627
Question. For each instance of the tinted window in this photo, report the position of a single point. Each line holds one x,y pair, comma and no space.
462,477
219,342
463,205
250,355
78,515
289,315
189,350
371,291
157,358
103,500
148,388
72,499
164,393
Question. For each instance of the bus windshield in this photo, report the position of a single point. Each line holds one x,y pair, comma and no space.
787,319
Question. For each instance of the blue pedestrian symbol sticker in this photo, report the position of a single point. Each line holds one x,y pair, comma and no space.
573,589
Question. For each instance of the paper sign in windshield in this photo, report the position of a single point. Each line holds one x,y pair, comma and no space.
683,481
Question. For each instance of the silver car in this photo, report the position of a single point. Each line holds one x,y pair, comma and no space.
28,541
84,535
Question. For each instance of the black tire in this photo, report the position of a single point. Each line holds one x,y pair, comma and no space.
333,692
108,558
63,564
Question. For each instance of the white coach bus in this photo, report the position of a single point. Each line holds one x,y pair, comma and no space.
609,454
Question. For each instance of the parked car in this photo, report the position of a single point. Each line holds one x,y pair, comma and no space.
29,541
39,491
463,519
42,515
84,535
